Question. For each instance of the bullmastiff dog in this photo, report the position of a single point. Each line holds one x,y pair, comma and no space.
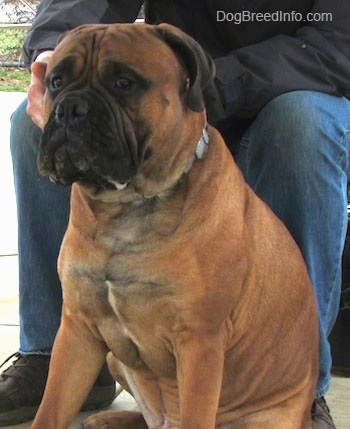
171,266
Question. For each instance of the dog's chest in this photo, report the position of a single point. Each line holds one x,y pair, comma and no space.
132,315
119,282
138,331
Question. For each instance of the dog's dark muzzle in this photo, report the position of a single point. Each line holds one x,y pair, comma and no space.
71,112
87,141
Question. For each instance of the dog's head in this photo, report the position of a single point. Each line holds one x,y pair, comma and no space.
124,103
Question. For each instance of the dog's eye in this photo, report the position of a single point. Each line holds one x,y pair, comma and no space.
124,83
56,82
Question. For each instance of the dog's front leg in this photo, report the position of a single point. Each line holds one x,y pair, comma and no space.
76,360
200,363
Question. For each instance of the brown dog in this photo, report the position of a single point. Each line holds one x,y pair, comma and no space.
170,262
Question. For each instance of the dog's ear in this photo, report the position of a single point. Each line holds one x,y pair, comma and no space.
61,37
200,66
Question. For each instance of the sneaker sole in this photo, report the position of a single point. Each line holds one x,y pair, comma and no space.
20,415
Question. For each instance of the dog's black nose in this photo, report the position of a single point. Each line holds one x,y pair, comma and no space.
71,111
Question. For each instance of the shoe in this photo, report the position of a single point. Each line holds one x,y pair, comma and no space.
22,387
321,415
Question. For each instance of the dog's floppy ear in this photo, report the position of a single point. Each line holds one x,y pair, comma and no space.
200,66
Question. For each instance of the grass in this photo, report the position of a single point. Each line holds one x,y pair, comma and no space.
14,79
11,42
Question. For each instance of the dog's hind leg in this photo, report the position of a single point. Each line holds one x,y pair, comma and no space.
145,389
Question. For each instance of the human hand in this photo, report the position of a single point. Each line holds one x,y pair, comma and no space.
36,88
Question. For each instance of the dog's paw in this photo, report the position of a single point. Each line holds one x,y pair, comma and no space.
115,419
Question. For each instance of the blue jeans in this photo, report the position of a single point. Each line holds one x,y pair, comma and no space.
42,210
294,155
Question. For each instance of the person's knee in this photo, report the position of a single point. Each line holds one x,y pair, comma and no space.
296,131
293,117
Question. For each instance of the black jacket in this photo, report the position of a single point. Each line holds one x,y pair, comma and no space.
295,47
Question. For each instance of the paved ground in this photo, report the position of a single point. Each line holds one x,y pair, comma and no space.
338,397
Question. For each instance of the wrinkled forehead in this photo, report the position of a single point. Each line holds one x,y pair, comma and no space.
136,45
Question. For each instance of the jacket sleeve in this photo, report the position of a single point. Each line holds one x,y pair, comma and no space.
55,17
316,58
